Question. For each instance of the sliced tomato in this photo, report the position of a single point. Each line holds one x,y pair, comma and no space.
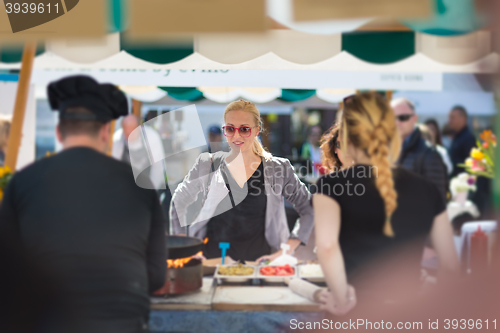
267,270
284,270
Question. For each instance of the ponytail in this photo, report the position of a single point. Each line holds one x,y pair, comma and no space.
258,149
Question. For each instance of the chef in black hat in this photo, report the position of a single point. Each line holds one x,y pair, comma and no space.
82,218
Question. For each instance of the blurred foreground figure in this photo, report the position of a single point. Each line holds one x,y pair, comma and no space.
367,213
81,218
470,303
28,302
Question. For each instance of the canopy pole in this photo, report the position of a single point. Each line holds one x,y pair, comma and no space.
136,108
23,88
111,132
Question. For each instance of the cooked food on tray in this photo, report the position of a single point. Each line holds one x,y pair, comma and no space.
311,270
239,270
285,270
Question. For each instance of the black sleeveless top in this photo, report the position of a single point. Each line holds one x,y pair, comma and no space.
366,250
243,226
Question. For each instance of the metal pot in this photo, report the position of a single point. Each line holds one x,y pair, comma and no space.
190,276
183,247
183,279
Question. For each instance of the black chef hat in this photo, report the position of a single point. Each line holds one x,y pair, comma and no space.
105,101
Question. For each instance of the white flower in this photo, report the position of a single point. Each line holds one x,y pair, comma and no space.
461,184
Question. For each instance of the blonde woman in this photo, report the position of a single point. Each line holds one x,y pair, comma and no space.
242,194
370,210
4,137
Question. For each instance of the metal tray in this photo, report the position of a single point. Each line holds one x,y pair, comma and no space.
270,278
235,278
311,278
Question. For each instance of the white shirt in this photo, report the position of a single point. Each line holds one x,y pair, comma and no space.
137,148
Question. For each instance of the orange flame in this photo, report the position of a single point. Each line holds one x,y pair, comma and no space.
178,263
205,241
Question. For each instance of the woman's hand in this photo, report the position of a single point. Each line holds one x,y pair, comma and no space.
341,307
269,257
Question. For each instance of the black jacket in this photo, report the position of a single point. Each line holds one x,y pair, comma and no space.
422,158
98,236
460,149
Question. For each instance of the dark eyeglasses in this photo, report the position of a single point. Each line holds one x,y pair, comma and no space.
404,117
245,131
337,144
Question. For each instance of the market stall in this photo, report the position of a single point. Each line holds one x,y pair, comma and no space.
215,302
291,63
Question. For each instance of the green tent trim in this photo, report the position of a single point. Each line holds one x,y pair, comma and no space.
158,54
380,47
184,94
295,95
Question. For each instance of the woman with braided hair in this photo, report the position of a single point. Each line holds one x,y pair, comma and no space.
367,212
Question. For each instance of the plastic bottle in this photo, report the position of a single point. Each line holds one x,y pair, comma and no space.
478,251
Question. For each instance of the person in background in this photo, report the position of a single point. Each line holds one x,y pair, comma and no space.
460,149
310,150
366,218
215,142
447,136
417,155
463,140
128,141
433,127
4,137
429,136
81,217
244,192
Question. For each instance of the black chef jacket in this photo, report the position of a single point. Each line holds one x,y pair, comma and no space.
101,238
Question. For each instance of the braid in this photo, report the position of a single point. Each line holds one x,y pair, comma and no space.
371,126
379,154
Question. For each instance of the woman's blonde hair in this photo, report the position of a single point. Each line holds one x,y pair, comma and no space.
369,124
246,106
330,160
4,132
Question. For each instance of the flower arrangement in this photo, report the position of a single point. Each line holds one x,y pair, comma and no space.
482,158
462,183
5,176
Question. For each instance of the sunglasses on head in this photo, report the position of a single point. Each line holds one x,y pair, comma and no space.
229,131
404,117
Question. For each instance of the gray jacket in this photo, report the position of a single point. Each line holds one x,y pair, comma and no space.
280,183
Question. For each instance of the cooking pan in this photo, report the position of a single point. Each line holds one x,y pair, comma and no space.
179,247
